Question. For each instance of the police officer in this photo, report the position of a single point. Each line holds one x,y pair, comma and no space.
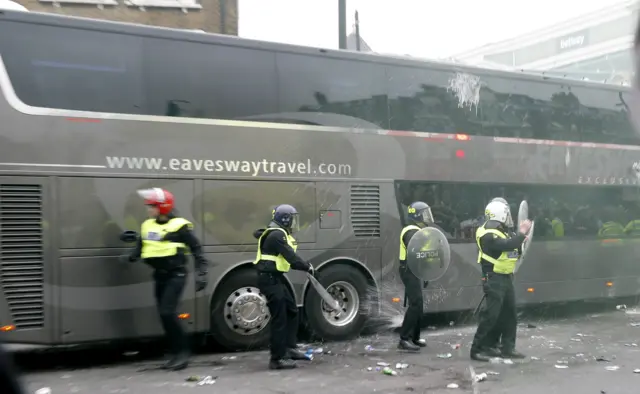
162,244
276,256
498,254
420,216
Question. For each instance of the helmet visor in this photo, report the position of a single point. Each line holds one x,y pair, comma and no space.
427,216
509,221
295,223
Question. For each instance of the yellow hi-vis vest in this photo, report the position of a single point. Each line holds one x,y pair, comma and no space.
152,234
282,265
506,262
403,247
611,230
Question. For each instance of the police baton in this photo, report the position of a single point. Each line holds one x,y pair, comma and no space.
480,304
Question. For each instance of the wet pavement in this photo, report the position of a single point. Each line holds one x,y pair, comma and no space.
593,353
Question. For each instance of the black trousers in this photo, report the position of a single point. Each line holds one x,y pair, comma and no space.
284,313
410,329
498,316
169,286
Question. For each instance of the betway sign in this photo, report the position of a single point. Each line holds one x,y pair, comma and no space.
573,41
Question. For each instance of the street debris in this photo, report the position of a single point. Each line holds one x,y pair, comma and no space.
207,380
383,364
389,371
402,366
452,386
563,366
621,307
480,377
534,358
529,325
492,373
456,346
631,344
229,357
612,368
445,355
603,359
635,324
636,371
44,390
370,348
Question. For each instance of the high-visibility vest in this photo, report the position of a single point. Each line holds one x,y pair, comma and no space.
282,265
633,227
611,229
403,247
152,234
506,262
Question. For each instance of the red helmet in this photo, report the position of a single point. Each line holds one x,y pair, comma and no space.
160,198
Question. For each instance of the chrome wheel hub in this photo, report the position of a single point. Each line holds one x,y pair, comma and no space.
348,299
246,312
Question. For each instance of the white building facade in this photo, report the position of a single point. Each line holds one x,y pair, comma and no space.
595,47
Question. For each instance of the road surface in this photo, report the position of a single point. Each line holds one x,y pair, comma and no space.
564,352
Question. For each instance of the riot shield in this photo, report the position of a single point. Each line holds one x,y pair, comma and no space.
523,214
428,254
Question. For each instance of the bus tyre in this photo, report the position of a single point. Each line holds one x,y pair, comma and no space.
239,313
347,285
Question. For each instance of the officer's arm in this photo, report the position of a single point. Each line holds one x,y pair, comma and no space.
278,242
407,237
491,242
137,250
186,236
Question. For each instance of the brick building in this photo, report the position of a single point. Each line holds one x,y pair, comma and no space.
212,16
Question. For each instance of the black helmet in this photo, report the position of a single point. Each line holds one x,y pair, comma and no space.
420,212
286,216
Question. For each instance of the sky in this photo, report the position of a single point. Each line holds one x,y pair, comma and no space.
420,28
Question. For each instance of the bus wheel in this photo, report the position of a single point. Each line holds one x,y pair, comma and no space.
239,313
347,285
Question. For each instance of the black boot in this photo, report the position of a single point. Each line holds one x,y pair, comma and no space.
408,345
419,342
485,354
282,364
178,362
512,354
296,354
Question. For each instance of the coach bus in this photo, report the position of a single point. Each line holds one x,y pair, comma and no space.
94,110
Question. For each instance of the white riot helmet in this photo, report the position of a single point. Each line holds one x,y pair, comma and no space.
500,212
499,199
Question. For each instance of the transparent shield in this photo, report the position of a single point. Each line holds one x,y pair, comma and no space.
428,254
523,214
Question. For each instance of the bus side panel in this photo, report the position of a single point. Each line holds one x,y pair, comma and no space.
100,297
28,262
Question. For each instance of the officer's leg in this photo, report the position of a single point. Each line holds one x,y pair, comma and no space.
489,313
274,290
509,322
413,292
292,326
417,328
168,308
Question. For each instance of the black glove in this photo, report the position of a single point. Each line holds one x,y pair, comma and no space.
127,259
201,281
